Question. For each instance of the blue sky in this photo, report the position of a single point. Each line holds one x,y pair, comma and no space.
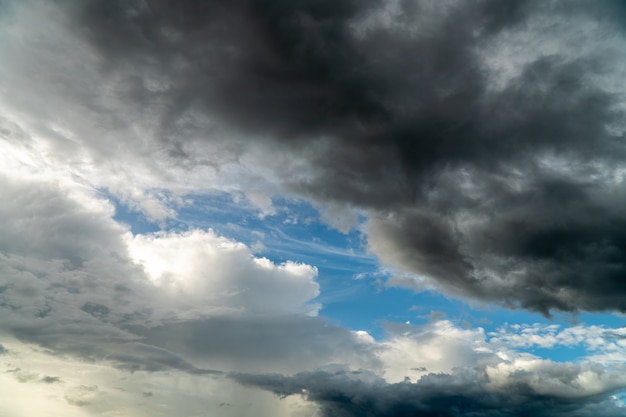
312,208
353,285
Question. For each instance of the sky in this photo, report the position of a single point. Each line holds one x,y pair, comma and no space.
320,208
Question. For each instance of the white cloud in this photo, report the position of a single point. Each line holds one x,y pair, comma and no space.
550,378
442,347
601,344
414,351
215,271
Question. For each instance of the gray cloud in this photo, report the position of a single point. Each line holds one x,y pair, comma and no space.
67,283
40,220
50,379
58,254
341,392
263,344
84,395
487,165
483,140
199,347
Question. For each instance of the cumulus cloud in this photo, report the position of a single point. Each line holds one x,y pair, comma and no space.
86,305
263,344
449,371
75,281
60,251
414,351
483,141
549,390
223,273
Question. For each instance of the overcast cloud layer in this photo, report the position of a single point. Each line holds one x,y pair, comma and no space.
478,145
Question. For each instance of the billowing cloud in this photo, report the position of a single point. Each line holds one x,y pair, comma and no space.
222,273
85,305
75,281
478,146
520,388
439,369
483,141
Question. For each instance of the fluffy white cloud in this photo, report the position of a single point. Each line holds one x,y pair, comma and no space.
415,351
218,272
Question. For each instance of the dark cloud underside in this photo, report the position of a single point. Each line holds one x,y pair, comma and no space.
361,394
498,181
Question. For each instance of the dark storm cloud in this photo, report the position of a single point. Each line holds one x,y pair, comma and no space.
498,185
341,392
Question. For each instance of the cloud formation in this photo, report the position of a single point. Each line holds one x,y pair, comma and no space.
75,281
478,145
222,273
449,371
487,158
521,388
